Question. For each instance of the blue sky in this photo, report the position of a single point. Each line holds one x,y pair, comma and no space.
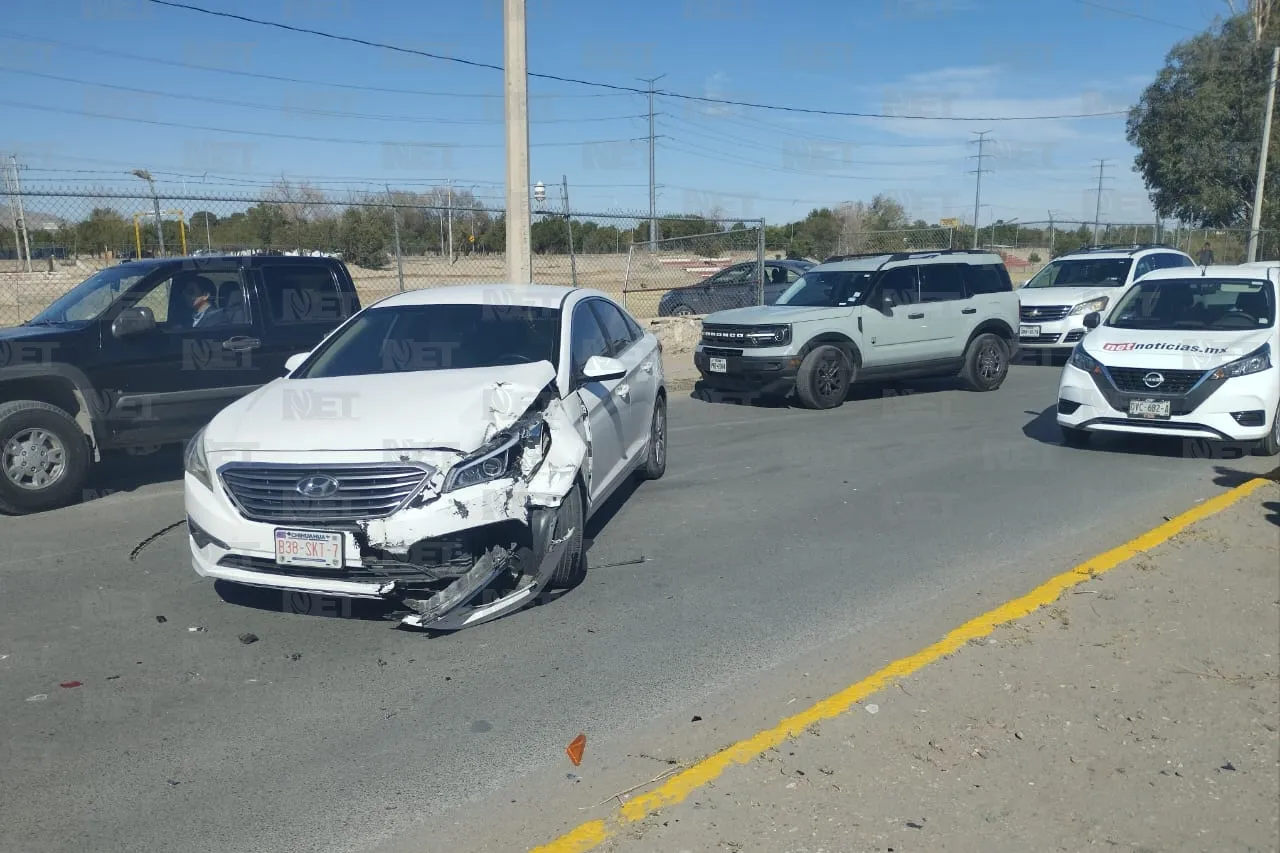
937,58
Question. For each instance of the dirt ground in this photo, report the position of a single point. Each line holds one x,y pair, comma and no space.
1140,712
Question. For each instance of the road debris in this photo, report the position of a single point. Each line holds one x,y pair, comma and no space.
133,556
70,684
161,620
248,639
196,629
873,709
39,697
575,749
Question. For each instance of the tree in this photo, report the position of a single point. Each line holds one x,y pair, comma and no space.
1198,128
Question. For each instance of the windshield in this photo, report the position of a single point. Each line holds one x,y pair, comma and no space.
1197,303
90,297
1083,272
825,288
438,337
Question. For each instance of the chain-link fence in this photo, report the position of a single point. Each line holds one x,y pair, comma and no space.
390,241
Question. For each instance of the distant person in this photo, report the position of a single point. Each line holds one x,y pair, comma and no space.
1206,255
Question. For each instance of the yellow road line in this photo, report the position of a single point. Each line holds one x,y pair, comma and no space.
594,833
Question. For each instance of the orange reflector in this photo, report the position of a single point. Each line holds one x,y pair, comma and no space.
574,750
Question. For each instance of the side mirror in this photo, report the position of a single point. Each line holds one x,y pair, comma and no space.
295,361
601,369
133,321
1092,320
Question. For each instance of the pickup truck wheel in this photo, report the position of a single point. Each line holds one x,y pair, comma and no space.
573,565
986,364
824,378
44,458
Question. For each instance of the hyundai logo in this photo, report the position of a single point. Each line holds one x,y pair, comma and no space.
1153,380
318,486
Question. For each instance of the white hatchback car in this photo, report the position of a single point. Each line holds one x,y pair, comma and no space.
1056,299
443,449
1186,352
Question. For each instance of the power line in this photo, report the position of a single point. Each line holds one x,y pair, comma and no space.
386,90
1135,16
977,188
297,109
329,139
580,82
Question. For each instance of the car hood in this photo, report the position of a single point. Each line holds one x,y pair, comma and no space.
1033,296
1172,350
456,410
763,315
25,346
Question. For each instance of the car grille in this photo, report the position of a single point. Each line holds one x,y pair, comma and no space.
1176,382
731,336
1042,339
1044,313
270,492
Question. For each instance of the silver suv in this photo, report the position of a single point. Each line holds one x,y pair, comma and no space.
857,318
1094,278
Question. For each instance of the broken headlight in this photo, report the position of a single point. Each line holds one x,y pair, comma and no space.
516,451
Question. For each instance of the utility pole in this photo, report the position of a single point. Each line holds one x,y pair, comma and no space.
451,221
1097,210
1262,160
977,190
653,187
20,221
568,218
1050,237
516,93
395,224
155,200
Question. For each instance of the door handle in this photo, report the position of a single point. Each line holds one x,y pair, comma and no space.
240,344
968,310
647,367
915,316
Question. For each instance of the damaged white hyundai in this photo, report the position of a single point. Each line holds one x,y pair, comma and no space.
441,450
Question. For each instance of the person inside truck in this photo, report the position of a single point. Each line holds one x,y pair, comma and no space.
198,292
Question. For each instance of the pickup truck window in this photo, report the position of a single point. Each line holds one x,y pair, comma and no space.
188,299
302,293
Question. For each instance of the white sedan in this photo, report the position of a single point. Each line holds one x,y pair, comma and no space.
442,449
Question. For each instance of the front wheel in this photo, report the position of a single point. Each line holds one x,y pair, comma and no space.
572,568
655,464
44,458
824,378
986,363
1270,446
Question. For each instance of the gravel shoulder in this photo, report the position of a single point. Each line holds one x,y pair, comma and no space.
1138,712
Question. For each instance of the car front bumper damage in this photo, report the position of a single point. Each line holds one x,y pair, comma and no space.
452,558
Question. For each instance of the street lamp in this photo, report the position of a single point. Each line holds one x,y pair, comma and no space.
155,200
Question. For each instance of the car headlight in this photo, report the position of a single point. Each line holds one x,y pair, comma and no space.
195,462
516,451
1089,307
1255,362
1083,361
768,336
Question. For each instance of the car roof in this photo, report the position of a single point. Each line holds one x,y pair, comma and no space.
491,293
1240,271
1109,253
221,256
862,263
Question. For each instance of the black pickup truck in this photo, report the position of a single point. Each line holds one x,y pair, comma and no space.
144,353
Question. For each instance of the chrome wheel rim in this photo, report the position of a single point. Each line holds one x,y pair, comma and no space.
990,362
33,459
660,436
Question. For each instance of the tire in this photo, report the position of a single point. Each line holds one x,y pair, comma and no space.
682,311
655,463
824,378
573,565
1270,446
27,427
1073,437
986,363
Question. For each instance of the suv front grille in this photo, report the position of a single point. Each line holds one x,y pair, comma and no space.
1044,313
1176,383
733,336
263,492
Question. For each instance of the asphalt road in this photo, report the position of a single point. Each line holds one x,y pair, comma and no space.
785,554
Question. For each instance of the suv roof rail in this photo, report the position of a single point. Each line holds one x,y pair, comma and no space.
905,256
1124,247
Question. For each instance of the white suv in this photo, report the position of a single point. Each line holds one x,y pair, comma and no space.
867,318
1095,278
